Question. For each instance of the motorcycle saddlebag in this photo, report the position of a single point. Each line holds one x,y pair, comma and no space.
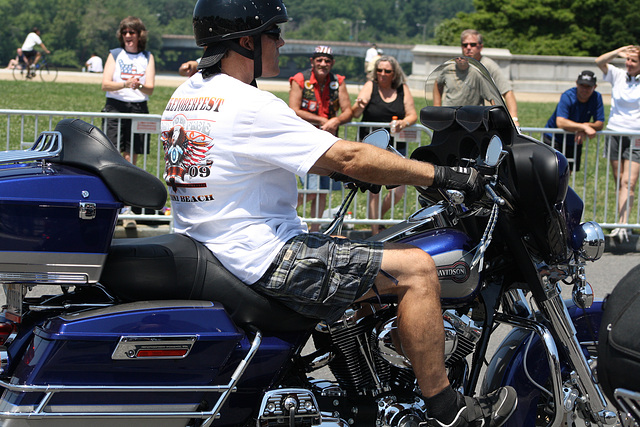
619,341
145,344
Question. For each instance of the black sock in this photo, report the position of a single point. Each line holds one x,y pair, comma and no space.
445,405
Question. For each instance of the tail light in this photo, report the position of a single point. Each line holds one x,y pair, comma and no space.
6,330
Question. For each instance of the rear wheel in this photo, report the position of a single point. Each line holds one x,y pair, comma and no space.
49,73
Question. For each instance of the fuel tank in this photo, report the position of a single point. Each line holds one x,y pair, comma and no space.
451,250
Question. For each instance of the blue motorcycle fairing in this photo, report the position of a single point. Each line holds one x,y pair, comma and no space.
507,366
573,208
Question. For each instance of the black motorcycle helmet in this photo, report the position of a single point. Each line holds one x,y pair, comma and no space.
218,24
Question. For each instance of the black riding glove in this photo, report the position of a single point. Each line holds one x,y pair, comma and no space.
363,186
458,178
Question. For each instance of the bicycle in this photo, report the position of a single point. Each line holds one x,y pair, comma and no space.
48,72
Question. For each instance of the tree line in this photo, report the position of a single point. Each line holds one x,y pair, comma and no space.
74,29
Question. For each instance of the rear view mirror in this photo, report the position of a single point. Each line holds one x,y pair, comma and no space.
494,150
379,138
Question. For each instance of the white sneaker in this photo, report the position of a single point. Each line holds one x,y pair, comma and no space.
623,235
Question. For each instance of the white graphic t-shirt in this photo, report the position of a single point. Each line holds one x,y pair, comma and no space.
232,152
129,65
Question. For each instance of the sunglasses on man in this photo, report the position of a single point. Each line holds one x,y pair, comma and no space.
469,44
275,33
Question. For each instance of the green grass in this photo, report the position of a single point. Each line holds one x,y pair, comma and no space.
90,98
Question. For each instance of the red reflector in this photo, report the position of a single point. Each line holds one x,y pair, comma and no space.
162,353
6,329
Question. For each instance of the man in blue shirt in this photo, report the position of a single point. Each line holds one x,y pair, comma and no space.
577,108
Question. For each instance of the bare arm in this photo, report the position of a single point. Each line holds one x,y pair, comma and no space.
149,77
44,48
603,60
571,126
108,85
188,68
582,130
363,99
512,105
410,115
371,164
437,95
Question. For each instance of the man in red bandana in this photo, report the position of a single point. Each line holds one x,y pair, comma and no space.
317,95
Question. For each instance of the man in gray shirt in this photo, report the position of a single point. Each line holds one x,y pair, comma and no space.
459,84
472,44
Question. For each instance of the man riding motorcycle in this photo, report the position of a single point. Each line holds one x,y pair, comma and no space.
230,173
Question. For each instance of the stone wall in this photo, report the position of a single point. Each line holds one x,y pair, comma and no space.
528,73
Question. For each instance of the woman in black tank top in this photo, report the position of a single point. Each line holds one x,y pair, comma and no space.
387,95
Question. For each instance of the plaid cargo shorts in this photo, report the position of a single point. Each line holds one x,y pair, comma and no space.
319,276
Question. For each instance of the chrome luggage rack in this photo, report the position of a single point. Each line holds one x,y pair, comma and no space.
629,401
40,409
48,145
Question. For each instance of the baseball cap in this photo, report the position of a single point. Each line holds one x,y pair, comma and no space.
586,78
323,51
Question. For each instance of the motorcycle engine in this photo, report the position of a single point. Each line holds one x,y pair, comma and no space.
460,336
367,361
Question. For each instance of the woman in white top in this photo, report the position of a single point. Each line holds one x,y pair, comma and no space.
128,79
624,152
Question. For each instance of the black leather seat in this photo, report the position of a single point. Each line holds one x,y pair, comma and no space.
174,266
86,147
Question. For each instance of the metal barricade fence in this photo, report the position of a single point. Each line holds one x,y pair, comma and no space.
594,181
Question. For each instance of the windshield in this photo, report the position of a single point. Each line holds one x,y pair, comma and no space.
461,81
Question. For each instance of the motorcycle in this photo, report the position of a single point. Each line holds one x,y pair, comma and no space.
135,335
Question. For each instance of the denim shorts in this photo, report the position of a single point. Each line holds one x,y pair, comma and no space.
319,276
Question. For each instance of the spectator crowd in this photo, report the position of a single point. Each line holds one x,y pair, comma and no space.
319,96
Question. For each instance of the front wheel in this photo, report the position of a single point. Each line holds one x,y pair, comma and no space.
49,73
20,71
520,361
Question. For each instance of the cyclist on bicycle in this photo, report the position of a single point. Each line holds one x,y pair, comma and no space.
31,56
